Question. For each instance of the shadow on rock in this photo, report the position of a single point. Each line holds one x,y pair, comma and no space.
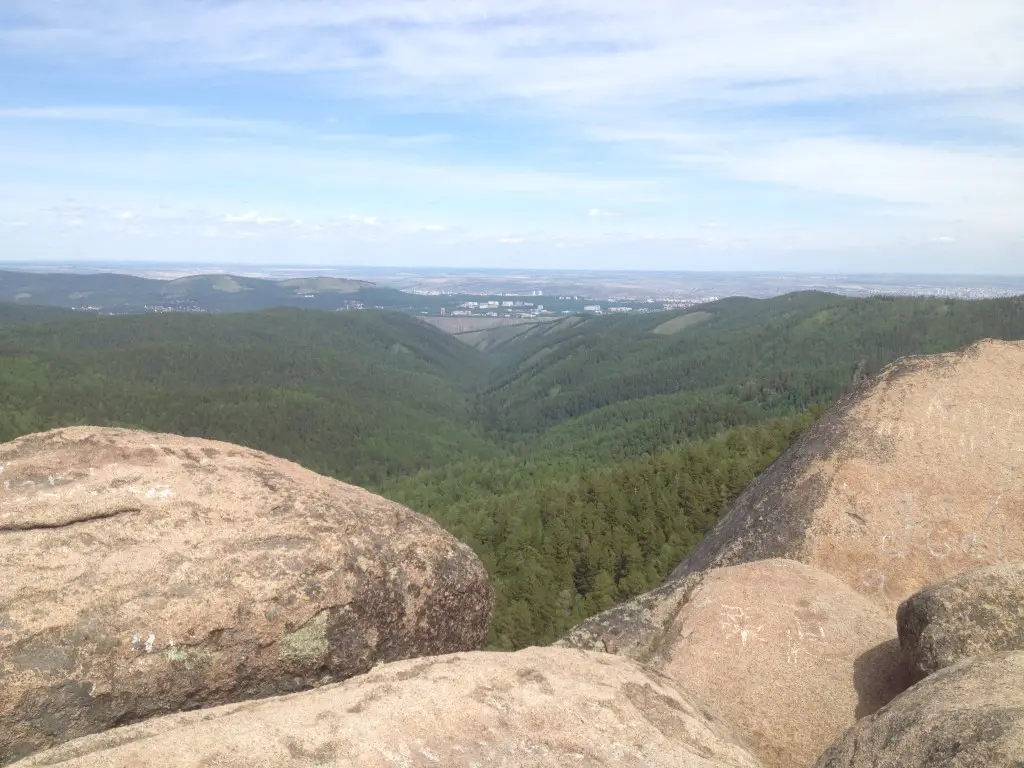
879,676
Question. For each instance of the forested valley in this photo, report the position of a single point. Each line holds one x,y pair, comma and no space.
581,461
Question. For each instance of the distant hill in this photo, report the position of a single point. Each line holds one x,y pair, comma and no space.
109,292
745,355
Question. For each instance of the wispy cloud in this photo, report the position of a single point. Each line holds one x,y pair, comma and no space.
899,118
162,117
964,183
253,217
737,50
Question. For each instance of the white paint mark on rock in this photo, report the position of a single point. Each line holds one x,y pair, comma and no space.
736,622
430,754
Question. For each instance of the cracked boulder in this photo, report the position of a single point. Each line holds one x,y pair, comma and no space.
910,479
143,574
788,654
972,614
537,708
970,715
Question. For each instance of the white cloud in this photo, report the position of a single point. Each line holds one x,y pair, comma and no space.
743,94
370,221
159,117
576,49
252,217
975,184
265,166
620,61
202,234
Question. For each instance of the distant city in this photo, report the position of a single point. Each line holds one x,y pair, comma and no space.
522,294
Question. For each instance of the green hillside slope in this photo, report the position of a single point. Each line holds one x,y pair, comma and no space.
214,293
12,314
357,395
751,357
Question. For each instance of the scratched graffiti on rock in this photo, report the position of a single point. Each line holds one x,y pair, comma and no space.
802,637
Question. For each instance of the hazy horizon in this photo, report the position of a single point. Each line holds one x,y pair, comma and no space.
128,265
787,136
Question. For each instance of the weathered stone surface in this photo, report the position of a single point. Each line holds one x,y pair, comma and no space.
974,613
789,654
142,574
970,715
910,479
538,707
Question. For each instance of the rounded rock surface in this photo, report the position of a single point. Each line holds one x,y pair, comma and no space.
910,479
974,613
970,715
537,708
788,654
142,574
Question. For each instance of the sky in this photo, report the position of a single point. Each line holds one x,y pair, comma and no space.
802,135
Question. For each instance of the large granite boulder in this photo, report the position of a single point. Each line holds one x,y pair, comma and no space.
538,707
910,479
142,574
970,715
972,614
789,654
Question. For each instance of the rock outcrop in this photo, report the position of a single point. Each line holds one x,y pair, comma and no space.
538,707
143,574
970,715
910,479
788,654
976,613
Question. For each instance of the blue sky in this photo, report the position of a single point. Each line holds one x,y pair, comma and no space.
833,135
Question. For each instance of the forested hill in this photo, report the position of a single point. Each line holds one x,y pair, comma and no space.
357,395
31,313
581,461
120,293
767,355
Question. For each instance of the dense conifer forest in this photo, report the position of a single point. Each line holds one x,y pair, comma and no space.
580,462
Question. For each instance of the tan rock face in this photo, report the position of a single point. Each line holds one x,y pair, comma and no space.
913,478
788,654
142,574
970,715
538,707
972,614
